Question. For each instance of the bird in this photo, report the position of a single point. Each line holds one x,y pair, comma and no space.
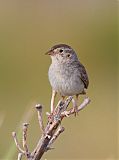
67,75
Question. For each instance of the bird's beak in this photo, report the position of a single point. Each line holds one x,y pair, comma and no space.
49,52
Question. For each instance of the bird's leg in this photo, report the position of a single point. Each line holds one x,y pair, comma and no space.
75,105
53,100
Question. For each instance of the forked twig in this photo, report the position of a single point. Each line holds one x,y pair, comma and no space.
49,133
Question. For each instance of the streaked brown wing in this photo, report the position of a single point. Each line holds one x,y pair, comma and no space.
83,75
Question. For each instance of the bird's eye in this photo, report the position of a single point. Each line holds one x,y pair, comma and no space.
68,55
61,50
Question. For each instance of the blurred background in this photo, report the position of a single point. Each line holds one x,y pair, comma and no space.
28,28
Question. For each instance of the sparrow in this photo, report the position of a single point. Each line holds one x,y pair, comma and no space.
67,75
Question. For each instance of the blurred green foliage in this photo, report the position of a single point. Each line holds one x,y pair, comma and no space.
27,30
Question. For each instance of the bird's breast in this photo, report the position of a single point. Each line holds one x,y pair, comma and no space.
65,80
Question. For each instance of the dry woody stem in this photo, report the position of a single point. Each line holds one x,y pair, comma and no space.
50,133
24,131
19,156
17,143
40,119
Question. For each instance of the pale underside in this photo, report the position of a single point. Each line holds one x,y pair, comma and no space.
65,80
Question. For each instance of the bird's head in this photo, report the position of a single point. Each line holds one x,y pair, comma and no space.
62,53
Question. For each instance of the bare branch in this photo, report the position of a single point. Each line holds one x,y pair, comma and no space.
49,133
40,119
25,146
17,143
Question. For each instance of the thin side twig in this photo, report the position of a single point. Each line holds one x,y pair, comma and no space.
17,143
25,146
40,118
55,136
